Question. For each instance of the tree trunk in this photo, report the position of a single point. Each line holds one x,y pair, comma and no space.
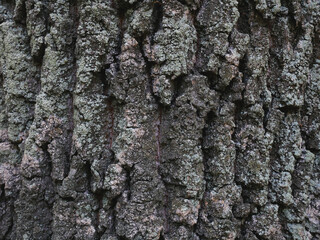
160,119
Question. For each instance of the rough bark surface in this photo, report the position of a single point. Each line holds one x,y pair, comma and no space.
160,119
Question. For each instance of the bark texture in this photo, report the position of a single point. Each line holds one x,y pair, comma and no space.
160,119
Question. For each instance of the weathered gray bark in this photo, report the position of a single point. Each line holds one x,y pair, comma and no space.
150,119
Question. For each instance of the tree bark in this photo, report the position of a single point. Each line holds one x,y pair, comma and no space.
160,119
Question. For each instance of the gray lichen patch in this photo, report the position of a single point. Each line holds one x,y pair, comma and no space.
20,79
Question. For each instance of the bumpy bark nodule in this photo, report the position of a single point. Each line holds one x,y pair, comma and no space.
159,119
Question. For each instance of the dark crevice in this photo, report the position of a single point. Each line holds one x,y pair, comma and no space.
87,169
67,199
213,79
297,33
316,49
177,88
38,59
20,13
289,109
123,238
183,2
209,123
125,5
113,213
148,66
157,16
110,123
193,7
243,226
49,185
265,117
161,237
2,191
289,5
128,180
48,159
243,24
100,79
243,69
